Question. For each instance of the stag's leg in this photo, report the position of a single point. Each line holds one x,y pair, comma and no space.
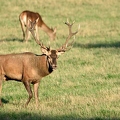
1,79
0,91
28,88
36,86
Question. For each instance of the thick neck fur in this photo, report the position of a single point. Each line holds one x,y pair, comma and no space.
50,69
45,66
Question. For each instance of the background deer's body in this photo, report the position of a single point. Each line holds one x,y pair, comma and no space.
30,19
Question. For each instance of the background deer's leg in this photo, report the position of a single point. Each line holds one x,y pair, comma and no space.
36,86
23,28
28,88
26,35
37,34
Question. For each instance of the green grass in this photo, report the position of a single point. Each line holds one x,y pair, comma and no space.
86,84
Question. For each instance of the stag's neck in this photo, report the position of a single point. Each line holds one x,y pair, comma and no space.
45,68
46,29
50,69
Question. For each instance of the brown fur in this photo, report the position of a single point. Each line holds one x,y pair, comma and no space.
30,68
27,68
30,19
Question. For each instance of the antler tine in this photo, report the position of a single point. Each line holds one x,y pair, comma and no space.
37,41
32,29
70,31
33,34
66,44
71,43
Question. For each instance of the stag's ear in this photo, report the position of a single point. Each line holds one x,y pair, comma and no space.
60,52
45,51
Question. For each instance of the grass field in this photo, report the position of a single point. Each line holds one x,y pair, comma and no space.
86,84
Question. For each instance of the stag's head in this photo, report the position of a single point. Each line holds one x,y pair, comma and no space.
51,54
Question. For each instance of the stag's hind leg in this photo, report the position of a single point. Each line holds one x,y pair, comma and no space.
28,88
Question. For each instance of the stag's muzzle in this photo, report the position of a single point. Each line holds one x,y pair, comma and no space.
54,67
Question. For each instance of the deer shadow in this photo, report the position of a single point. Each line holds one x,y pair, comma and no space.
4,101
33,116
98,45
10,40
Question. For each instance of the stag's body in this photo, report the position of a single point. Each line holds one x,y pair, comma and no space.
25,67
30,68
30,19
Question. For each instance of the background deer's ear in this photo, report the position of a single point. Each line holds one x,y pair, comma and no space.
37,19
55,29
30,20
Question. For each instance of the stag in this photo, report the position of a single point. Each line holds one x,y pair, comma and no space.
31,19
29,68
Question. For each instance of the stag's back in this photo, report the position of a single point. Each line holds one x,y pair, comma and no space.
11,65
22,66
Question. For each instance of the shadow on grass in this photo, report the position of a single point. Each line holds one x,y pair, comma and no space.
4,101
33,116
9,40
98,45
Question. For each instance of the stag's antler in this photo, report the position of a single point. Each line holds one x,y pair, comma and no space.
65,46
37,41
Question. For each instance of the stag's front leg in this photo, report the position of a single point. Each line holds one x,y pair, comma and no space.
36,86
28,88
0,91
1,78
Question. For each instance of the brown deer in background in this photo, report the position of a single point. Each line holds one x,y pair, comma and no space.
29,68
31,19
